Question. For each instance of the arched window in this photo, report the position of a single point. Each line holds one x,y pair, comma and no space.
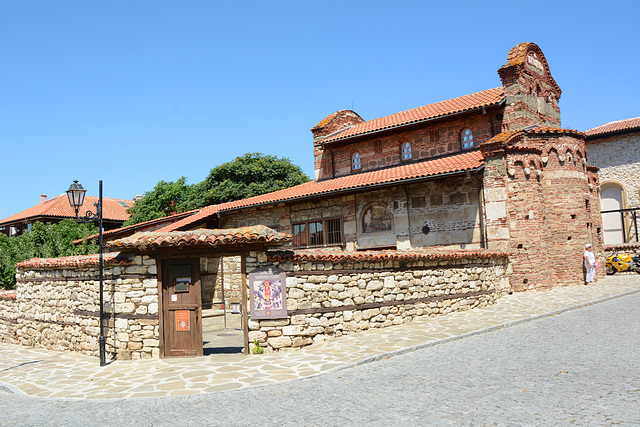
376,218
406,151
355,162
612,199
466,138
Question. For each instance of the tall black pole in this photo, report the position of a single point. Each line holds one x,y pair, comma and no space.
103,361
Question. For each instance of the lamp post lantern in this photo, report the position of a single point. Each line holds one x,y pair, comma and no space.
76,193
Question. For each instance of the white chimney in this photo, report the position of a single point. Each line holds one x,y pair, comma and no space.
43,198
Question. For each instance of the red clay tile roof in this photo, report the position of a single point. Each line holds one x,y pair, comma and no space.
504,137
58,207
517,55
614,127
469,160
201,237
384,255
8,295
150,225
111,258
472,101
326,120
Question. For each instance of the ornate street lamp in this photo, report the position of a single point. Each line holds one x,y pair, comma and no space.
75,193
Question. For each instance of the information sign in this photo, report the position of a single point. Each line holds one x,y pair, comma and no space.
268,287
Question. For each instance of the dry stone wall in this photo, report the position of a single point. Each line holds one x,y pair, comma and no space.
58,308
330,299
8,316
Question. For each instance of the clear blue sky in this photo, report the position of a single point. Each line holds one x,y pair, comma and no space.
134,92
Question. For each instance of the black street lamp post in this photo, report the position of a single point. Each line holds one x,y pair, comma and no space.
75,193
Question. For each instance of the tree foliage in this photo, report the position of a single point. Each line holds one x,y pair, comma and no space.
249,175
43,241
165,199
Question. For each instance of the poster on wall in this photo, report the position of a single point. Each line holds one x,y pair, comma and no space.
268,288
182,320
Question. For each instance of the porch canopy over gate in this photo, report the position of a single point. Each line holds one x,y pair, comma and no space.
226,240
177,254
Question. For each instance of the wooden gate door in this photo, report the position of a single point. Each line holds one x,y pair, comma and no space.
181,307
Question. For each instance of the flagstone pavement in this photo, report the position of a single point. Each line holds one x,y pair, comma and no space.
50,374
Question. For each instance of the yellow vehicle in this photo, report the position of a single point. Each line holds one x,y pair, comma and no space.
617,263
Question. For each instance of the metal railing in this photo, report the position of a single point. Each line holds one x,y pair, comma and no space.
626,228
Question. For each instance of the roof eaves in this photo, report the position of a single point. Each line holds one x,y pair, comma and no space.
356,189
411,123
606,134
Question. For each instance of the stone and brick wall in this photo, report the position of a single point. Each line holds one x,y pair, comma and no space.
542,203
333,295
449,208
532,95
618,158
434,140
57,306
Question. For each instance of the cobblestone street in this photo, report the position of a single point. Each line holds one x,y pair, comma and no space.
577,367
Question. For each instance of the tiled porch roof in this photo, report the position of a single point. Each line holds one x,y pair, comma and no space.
384,255
58,207
151,225
469,160
460,104
613,127
201,237
111,258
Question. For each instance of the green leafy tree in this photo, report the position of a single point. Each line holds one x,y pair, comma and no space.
249,175
165,199
43,241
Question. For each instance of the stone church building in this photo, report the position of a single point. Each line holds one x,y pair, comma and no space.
435,209
489,170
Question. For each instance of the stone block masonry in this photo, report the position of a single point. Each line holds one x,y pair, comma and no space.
330,298
57,306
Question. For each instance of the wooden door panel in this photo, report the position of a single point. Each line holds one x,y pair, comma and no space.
181,305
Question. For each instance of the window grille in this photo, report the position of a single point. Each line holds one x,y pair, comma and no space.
318,233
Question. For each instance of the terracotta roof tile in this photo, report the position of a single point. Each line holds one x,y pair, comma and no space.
58,207
439,109
326,120
504,137
150,225
469,160
111,258
517,55
201,237
614,127
384,255
8,295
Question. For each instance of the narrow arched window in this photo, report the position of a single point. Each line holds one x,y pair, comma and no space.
406,151
355,162
466,139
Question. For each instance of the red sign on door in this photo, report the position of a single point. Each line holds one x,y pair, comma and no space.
182,320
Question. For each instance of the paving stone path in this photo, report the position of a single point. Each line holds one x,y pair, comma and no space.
578,366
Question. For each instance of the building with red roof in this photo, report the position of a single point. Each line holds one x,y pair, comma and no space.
614,147
486,170
423,212
58,208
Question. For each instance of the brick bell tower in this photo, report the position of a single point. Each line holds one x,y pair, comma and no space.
531,93
541,197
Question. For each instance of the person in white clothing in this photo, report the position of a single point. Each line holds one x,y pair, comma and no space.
589,265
